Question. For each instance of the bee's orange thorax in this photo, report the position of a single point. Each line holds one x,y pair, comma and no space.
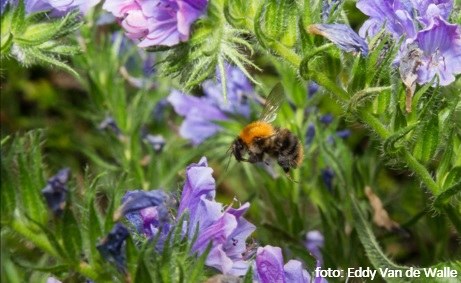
256,129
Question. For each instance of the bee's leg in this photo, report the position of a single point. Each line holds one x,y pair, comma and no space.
255,157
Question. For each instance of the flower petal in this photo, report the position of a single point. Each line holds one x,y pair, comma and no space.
294,272
199,182
269,264
341,35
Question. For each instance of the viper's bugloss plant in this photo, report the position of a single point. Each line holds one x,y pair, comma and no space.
129,95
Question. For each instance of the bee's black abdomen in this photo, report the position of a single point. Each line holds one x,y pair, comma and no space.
286,148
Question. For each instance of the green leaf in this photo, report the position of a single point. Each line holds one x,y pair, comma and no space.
49,269
142,272
37,34
427,141
359,74
18,19
249,275
389,144
31,181
94,230
279,22
133,257
6,38
443,198
196,273
453,213
45,58
8,188
71,235
58,248
374,253
452,265
453,176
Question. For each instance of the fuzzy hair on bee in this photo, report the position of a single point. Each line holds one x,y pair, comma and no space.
261,138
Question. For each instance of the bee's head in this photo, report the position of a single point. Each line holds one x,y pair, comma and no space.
238,149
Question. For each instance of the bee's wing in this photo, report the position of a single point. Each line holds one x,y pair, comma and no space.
272,104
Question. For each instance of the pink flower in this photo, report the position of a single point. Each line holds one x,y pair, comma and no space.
157,22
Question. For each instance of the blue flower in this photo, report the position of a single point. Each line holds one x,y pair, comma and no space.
326,119
310,134
341,35
394,15
270,268
344,134
55,191
312,89
157,142
109,124
327,176
111,246
314,242
148,212
329,7
440,46
201,113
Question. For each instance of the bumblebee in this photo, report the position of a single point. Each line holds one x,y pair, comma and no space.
260,137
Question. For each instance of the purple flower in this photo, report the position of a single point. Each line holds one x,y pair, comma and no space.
146,210
55,191
226,229
270,268
158,113
201,113
327,176
314,242
344,134
312,89
310,134
440,43
326,119
111,246
157,22
238,91
428,9
59,7
157,142
109,124
3,4
200,184
328,8
394,15
341,35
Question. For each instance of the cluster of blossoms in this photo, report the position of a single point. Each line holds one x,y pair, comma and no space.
151,23
157,22
222,226
201,112
423,24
